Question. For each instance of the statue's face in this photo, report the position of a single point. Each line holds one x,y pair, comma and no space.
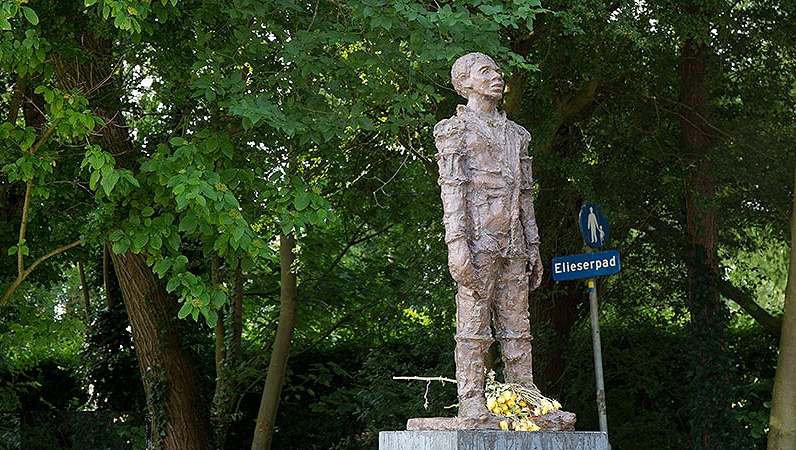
485,80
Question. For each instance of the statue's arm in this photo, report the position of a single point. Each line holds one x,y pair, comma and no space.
453,181
528,218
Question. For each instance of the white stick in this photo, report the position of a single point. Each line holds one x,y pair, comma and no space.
440,379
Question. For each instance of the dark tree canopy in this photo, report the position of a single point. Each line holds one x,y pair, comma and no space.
153,153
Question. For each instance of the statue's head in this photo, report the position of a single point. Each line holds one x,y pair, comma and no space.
460,72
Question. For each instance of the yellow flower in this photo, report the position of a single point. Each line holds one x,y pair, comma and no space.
504,425
546,408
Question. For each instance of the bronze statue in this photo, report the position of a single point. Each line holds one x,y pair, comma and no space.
490,228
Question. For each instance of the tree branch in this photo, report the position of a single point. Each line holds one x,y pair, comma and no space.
16,100
331,330
23,227
769,322
440,379
25,272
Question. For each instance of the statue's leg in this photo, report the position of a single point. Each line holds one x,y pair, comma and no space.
473,337
512,323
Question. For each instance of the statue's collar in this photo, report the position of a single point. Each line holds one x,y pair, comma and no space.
499,120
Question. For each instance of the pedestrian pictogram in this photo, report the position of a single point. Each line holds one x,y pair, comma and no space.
593,225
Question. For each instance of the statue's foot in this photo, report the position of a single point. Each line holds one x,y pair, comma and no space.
557,420
474,408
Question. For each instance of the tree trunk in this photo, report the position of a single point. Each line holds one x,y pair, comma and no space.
169,375
782,422
266,417
711,383
84,292
515,90
168,372
110,284
228,348
553,318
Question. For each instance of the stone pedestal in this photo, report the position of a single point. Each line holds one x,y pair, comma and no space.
493,440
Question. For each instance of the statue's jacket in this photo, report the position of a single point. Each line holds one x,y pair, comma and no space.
486,184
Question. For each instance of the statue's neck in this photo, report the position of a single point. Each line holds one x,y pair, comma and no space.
487,108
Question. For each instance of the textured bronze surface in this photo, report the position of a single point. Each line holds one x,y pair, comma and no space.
493,242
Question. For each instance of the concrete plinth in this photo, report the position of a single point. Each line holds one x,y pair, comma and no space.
493,440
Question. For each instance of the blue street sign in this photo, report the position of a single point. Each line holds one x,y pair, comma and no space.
586,265
593,225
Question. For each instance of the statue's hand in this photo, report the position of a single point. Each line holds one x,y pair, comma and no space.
535,268
460,262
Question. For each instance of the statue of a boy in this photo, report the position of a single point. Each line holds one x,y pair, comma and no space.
493,242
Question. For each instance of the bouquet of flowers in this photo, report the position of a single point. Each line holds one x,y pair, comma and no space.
520,404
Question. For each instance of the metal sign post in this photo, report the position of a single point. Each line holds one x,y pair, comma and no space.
598,355
595,230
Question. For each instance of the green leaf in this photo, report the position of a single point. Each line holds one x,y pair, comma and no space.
187,308
162,267
212,143
173,242
121,246
247,264
211,317
155,242
130,178
177,141
238,233
221,244
366,124
139,241
147,211
301,201
188,222
116,235
109,181
93,179
218,299
204,297
287,227
30,15
12,250
196,287
4,24
182,201
173,284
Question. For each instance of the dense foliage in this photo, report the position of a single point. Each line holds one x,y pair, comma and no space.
195,133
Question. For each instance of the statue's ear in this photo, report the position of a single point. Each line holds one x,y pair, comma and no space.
467,84
466,87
